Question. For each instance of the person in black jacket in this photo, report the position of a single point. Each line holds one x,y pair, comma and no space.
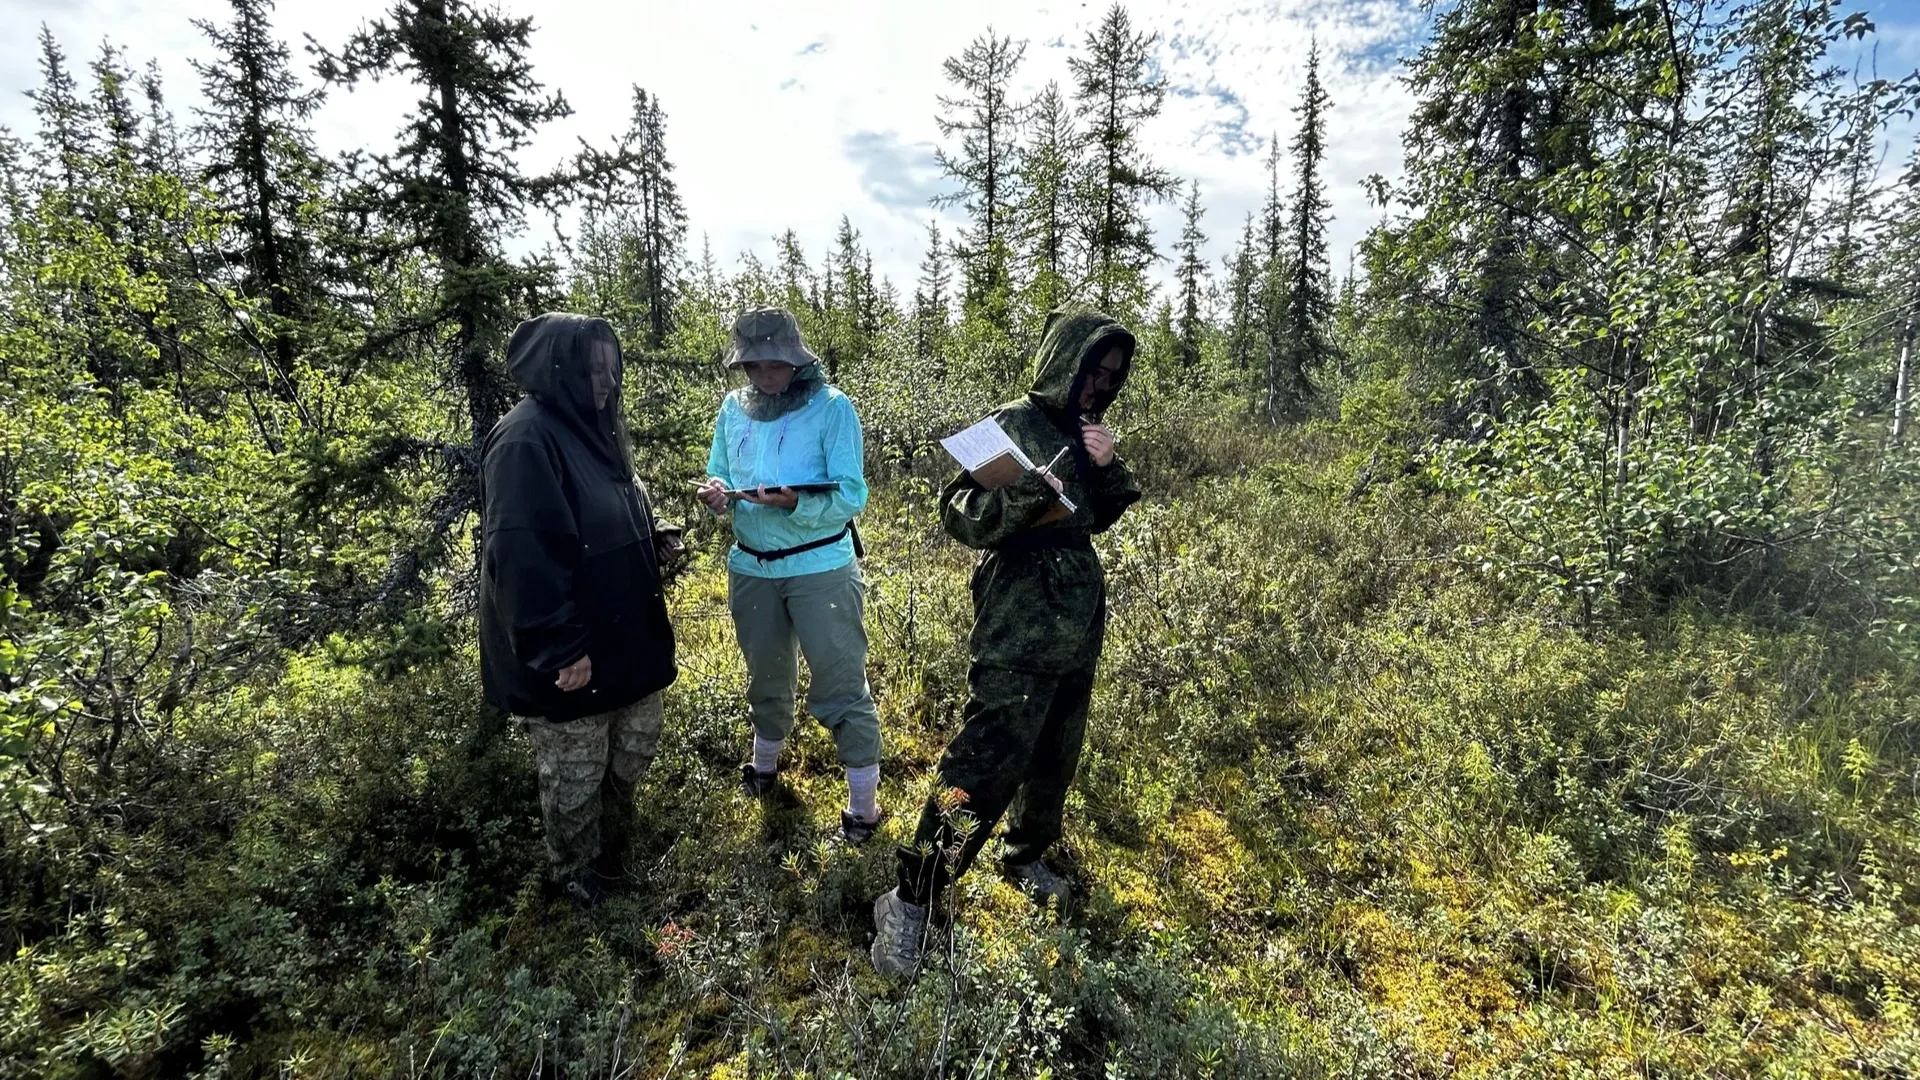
574,637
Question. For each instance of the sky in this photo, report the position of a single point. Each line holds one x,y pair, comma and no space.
793,113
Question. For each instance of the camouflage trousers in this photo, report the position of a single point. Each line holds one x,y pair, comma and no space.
1020,737
588,768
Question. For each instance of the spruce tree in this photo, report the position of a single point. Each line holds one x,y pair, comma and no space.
66,123
453,186
663,219
795,285
1045,228
988,121
254,139
451,191
1192,276
1309,285
1499,112
1117,91
1243,304
852,315
1273,281
630,250
930,303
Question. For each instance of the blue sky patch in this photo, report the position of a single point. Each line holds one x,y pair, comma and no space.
897,174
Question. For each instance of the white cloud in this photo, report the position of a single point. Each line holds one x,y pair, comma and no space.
789,115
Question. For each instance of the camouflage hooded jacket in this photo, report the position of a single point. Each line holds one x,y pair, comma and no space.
1039,593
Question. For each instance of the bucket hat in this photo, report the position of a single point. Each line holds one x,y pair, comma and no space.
768,334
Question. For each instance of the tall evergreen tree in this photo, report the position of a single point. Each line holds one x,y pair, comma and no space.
66,127
930,303
851,316
119,120
259,157
160,149
1045,225
632,237
663,219
124,205
1243,345
1192,276
1500,111
1117,91
796,286
1309,284
988,122
1273,281
451,190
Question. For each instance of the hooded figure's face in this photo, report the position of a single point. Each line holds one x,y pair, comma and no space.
1082,363
606,372
1103,379
572,365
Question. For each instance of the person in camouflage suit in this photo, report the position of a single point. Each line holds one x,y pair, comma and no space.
1039,599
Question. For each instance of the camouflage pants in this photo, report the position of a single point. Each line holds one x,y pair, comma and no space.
1020,737
588,768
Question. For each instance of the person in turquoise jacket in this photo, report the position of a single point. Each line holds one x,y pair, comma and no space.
793,578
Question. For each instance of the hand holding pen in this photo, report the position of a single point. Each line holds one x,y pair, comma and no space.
1047,473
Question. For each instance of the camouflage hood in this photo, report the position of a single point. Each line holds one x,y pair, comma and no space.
551,358
1075,338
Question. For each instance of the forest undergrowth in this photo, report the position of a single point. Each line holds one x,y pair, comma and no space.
1346,809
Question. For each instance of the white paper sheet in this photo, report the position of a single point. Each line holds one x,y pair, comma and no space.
985,441
982,443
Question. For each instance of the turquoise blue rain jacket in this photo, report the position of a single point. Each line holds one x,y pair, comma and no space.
819,441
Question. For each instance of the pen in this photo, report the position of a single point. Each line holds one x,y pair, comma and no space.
1056,460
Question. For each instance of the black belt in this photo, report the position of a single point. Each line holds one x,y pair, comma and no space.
1048,540
770,556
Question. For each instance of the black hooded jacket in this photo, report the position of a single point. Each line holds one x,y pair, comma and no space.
567,562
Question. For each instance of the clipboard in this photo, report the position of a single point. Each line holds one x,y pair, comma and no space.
820,488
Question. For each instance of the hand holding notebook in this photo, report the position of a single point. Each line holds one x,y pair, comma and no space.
994,461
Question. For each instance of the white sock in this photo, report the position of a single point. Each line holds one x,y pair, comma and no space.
766,755
861,785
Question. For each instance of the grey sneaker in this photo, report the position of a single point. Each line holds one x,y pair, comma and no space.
1038,881
898,929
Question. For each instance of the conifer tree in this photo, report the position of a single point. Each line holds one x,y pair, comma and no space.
1045,227
451,191
453,186
1272,286
1243,305
1192,276
663,219
66,126
851,316
988,121
930,302
1309,285
260,160
1116,92
633,233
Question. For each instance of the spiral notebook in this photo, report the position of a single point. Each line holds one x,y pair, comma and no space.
993,460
